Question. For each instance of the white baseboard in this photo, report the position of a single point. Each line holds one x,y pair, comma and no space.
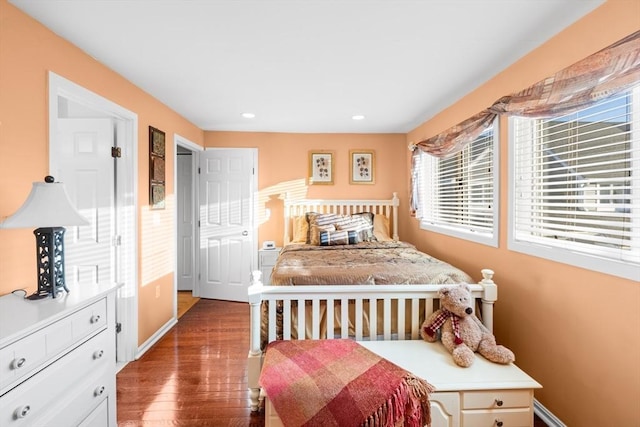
155,337
546,416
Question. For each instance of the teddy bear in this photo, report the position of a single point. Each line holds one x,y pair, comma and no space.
461,331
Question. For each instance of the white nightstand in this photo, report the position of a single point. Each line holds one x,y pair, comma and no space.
266,260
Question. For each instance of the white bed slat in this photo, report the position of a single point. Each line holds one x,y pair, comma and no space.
272,320
387,318
401,319
358,323
286,319
301,320
330,314
415,311
344,314
373,314
315,322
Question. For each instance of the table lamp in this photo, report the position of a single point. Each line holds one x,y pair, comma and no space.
48,208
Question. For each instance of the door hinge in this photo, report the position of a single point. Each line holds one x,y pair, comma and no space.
116,152
118,327
198,223
198,169
117,240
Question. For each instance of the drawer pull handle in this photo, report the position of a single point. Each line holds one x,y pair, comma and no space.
499,402
95,318
18,363
98,354
98,391
499,423
22,411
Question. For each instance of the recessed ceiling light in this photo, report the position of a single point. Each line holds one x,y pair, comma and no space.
248,115
358,117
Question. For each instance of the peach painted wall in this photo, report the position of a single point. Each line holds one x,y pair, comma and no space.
27,52
575,331
283,161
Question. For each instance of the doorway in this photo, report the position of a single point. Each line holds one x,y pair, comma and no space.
69,105
220,249
186,189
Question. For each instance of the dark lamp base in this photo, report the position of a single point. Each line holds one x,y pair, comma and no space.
50,262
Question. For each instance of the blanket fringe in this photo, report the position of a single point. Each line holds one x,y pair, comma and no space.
408,406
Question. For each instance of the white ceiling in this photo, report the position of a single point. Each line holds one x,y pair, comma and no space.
307,65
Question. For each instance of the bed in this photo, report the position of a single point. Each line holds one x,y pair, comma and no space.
373,255
309,293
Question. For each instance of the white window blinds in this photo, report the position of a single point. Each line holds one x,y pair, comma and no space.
577,180
457,194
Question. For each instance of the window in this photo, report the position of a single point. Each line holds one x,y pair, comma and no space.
576,192
458,194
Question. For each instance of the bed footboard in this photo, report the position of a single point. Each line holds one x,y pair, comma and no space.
400,309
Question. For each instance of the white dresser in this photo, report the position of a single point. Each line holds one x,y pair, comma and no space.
266,260
57,359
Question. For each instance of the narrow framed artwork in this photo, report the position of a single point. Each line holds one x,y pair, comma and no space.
362,168
156,168
321,165
157,196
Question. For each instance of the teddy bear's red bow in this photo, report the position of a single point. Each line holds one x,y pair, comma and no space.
439,320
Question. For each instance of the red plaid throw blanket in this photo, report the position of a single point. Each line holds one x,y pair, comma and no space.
341,383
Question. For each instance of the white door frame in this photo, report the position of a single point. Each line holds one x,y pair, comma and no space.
127,200
195,161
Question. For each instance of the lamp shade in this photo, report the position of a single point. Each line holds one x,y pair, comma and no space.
48,205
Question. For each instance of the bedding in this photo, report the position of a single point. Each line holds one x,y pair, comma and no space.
372,263
350,385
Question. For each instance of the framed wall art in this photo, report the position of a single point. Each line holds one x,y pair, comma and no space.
363,164
321,165
156,168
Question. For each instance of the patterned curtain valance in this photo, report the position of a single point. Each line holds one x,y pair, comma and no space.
612,70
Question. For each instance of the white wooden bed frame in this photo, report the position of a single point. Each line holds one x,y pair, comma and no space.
486,393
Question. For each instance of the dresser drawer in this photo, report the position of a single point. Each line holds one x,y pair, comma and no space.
76,376
100,416
520,417
498,399
21,358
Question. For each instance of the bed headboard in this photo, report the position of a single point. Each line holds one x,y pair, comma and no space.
297,207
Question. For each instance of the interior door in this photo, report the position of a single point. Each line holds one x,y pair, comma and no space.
227,245
84,164
186,226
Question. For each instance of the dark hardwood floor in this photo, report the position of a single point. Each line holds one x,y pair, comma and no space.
196,375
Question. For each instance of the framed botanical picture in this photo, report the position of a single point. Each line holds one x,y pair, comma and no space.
157,169
156,141
320,167
157,196
363,164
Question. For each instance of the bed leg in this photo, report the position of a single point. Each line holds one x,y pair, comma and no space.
254,395
254,359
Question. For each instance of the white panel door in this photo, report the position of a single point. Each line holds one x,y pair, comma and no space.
184,192
84,164
226,223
